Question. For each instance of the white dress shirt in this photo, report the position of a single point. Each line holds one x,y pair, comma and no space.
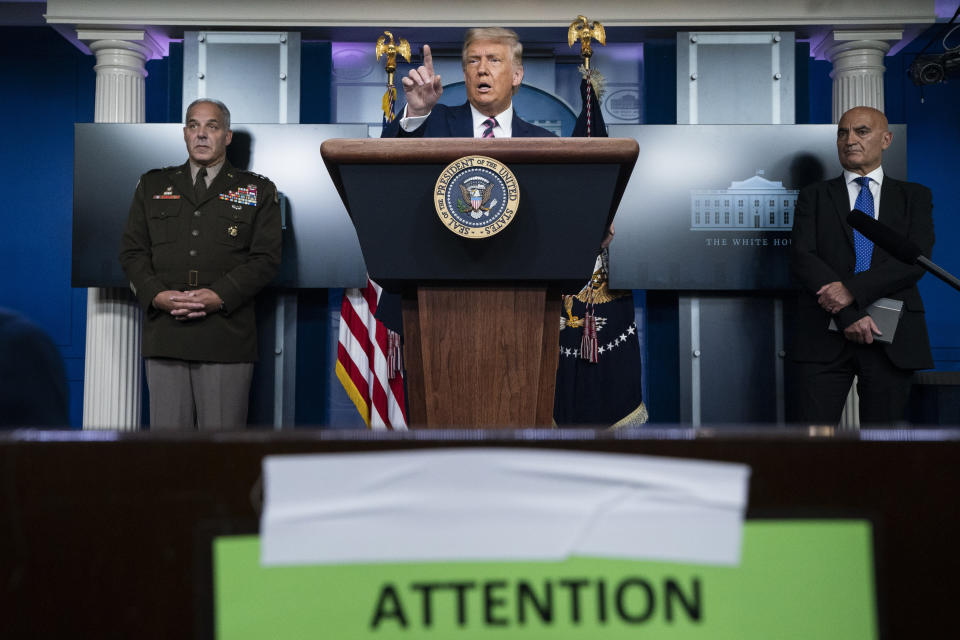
504,128
212,171
853,188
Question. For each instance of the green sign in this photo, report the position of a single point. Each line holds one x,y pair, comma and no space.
796,579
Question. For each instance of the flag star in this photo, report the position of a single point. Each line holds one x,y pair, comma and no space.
600,350
566,352
631,329
576,353
609,346
623,337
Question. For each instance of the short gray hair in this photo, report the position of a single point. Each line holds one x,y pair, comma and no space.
224,112
508,37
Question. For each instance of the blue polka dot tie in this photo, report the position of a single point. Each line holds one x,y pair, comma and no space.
489,123
862,246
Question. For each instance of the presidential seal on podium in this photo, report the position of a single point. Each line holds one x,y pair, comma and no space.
476,196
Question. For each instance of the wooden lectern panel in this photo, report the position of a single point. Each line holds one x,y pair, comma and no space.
482,357
481,318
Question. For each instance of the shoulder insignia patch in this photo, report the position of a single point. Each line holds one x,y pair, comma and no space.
255,175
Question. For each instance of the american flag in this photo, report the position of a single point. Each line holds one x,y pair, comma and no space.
368,360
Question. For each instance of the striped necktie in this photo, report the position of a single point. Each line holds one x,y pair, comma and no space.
489,123
862,246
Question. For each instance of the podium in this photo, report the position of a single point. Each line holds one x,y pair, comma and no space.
481,315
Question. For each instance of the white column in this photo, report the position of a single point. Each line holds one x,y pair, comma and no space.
857,58
111,381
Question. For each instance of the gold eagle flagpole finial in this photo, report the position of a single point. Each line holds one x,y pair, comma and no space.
391,49
581,29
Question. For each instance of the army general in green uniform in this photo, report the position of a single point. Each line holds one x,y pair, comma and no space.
201,241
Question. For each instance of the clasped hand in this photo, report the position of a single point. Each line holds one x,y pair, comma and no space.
833,297
188,305
862,331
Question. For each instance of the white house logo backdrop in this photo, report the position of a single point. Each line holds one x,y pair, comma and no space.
754,204
476,196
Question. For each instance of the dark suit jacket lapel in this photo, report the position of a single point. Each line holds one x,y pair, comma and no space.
461,122
520,128
891,202
837,189
892,212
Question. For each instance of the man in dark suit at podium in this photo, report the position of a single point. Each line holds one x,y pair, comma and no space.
492,72
841,274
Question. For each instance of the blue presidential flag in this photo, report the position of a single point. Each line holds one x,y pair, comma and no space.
599,381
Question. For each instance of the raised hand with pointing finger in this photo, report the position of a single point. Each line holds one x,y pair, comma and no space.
492,64
422,86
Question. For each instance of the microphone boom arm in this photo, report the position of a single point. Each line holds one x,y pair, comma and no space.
944,275
896,245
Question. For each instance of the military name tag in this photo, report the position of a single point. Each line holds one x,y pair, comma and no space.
476,197
167,195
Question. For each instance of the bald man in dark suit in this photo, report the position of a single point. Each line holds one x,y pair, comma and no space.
838,284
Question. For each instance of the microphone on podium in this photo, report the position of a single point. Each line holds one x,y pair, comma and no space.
903,249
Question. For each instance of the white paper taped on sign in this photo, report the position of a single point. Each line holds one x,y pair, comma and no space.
499,504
